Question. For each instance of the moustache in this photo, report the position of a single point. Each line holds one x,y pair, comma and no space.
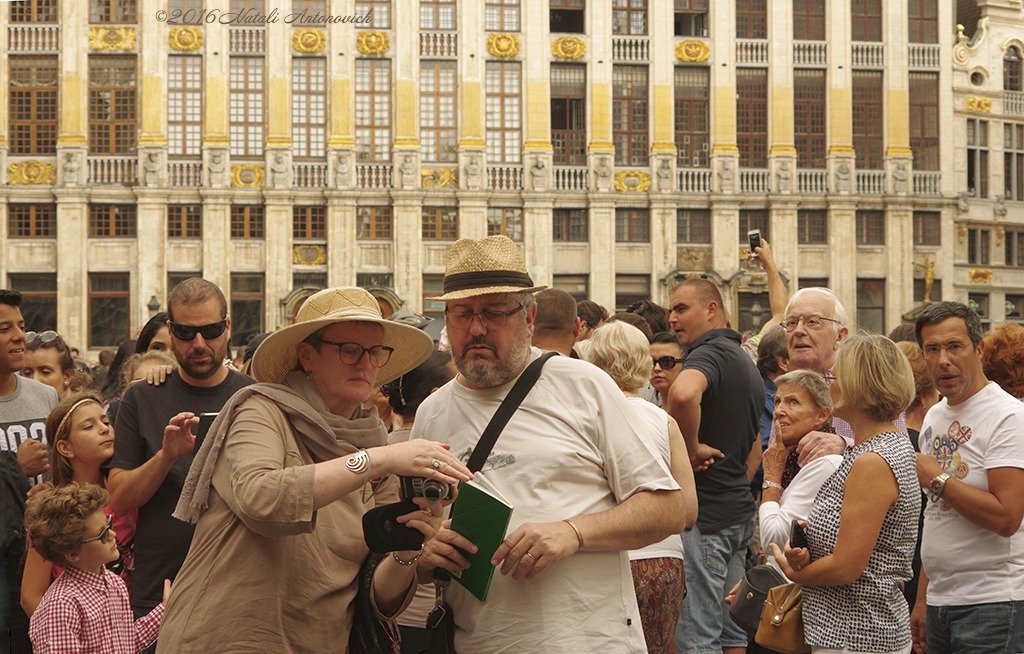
477,340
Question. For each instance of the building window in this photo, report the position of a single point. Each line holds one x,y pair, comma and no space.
505,222
870,228
246,307
812,282
38,299
977,158
373,109
1014,308
317,279
693,124
503,121
1015,249
112,220
501,16
691,18
868,135
809,20
373,223
246,107
246,221
632,226
923,21
693,226
927,228
630,289
569,114
570,225
578,286
924,120
871,305
809,117
866,19
309,107
979,302
112,11
248,9
433,286
33,104
1011,69
440,223
310,8
629,115
1013,161
34,11
108,309
184,105
811,227
438,113
378,10
112,105
371,280
751,19
309,221
31,220
185,221
567,16
437,14
978,242
629,17
185,11
752,116
753,219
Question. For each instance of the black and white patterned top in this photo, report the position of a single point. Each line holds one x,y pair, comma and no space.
870,614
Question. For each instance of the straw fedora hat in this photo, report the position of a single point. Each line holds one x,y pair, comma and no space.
488,265
276,356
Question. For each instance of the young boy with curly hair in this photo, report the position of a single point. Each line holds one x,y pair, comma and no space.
86,609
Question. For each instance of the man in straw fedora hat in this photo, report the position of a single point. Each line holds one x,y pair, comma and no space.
584,486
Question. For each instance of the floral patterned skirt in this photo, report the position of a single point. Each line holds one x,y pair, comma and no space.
660,588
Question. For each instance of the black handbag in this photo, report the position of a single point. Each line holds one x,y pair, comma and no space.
748,603
370,634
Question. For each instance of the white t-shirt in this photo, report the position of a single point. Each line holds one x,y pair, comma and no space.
570,449
652,424
965,563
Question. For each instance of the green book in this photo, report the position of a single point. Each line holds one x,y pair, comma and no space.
482,515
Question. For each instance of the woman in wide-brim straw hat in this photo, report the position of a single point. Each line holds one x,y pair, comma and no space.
279,486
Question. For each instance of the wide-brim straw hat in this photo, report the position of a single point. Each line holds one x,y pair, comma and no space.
276,356
488,265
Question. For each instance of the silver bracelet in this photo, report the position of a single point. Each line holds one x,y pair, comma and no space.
411,561
359,463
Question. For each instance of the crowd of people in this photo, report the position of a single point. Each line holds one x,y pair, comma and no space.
171,499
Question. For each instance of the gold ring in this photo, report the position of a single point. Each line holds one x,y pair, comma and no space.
532,557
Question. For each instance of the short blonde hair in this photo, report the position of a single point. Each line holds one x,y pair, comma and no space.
874,376
622,351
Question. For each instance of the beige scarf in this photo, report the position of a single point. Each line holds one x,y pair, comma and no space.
325,435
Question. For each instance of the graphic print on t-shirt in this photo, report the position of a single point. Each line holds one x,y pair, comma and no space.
945,448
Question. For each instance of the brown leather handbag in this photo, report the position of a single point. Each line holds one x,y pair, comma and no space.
782,624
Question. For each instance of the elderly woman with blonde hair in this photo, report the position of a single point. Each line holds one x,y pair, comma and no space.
622,351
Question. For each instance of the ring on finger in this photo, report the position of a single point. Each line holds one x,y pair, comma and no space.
435,464
532,557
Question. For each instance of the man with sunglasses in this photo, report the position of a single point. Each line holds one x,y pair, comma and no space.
154,439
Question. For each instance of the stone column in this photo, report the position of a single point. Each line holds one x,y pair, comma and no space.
73,271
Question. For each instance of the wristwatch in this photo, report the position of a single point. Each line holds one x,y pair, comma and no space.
771,484
938,485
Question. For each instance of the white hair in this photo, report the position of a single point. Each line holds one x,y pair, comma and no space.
838,311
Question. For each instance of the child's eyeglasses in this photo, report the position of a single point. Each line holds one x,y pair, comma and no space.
105,535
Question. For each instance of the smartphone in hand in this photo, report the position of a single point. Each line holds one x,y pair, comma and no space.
797,535
754,236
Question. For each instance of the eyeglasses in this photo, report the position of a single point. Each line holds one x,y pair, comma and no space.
810,322
666,362
188,332
461,319
105,535
955,348
352,353
48,336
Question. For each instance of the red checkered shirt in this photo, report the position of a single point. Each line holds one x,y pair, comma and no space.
87,613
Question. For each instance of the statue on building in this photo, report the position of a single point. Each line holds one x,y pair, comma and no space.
408,169
929,278
152,166
604,172
900,175
217,166
279,171
71,168
665,176
538,175
999,209
843,176
725,177
473,171
962,206
785,176
341,170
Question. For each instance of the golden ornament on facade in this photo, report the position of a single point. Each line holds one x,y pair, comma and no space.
373,42
979,104
568,47
632,180
961,232
247,175
979,276
111,38
440,177
503,45
32,172
694,258
309,40
309,254
692,51
185,38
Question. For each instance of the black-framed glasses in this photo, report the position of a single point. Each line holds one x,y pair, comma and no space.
188,332
352,353
812,323
48,336
463,319
104,536
666,362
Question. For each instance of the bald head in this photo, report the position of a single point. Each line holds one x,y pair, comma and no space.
556,325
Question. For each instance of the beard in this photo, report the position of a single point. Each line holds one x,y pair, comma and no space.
200,369
503,368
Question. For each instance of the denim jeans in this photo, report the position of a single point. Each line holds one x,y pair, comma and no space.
996,628
714,563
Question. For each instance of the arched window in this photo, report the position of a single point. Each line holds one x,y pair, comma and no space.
1011,69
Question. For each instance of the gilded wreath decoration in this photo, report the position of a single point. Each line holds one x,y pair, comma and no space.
568,47
979,104
309,40
111,38
185,38
247,175
440,177
980,276
632,180
32,172
373,42
692,51
503,45
309,254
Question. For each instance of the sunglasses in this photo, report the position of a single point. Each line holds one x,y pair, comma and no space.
105,535
666,362
188,332
48,336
